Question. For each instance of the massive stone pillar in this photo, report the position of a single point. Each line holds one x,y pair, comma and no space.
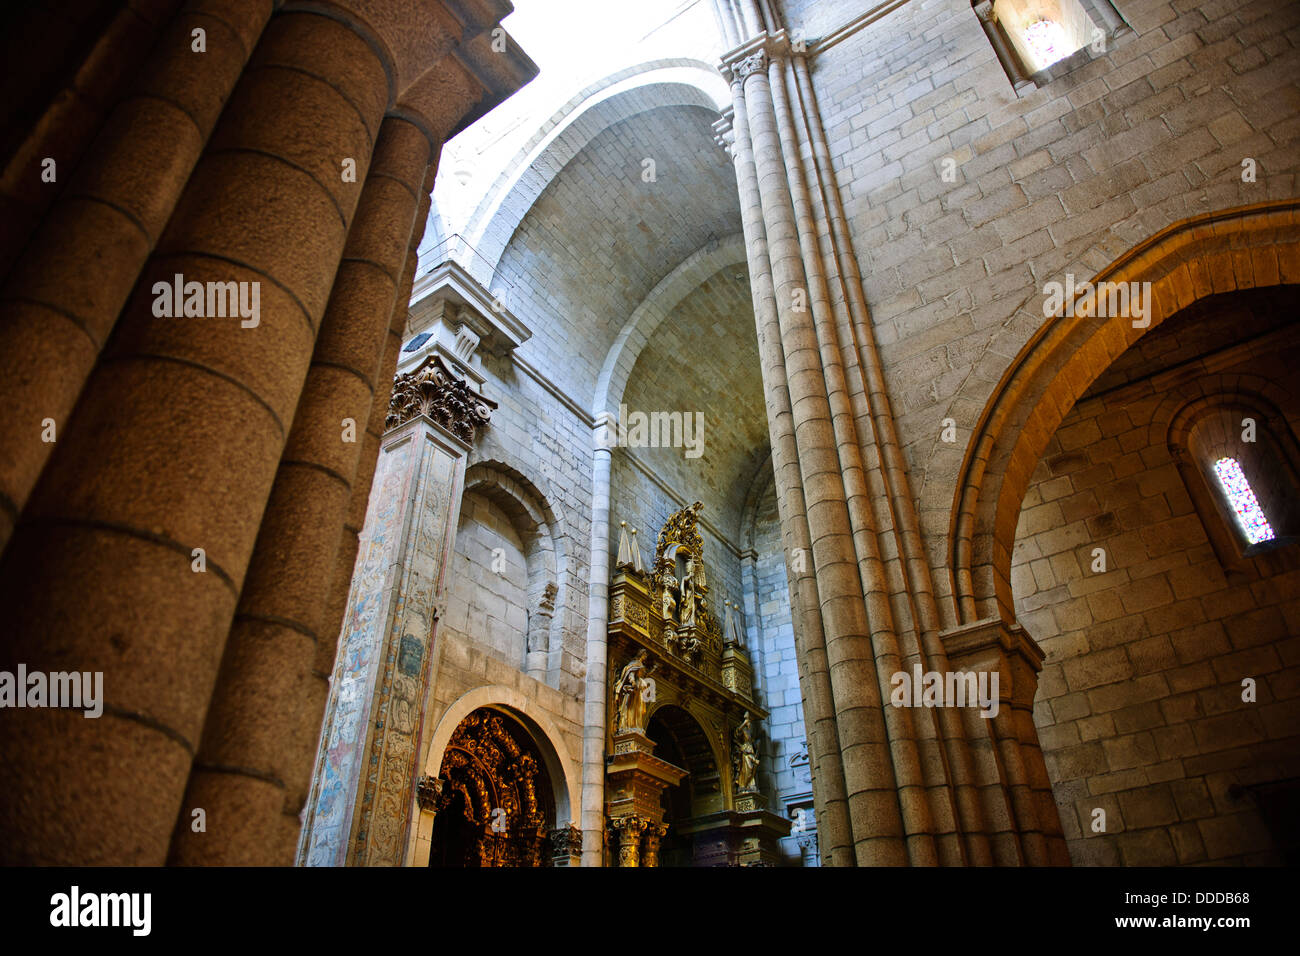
62,297
874,808
819,705
365,788
254,762
130,556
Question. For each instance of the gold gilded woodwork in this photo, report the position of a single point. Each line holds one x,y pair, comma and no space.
661,624
505,804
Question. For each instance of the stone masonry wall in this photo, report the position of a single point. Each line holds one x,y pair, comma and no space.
1139,706
784,771
490,598
1061,179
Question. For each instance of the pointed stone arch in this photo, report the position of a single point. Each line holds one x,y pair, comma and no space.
1242,248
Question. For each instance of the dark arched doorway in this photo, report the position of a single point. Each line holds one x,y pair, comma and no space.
679,739
496,807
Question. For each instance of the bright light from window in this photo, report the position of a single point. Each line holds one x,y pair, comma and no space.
1047,42
1237,489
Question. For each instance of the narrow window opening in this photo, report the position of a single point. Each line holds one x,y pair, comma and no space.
1241,497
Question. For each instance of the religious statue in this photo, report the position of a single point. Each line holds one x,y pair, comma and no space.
688,594
669,604
744,757
632,691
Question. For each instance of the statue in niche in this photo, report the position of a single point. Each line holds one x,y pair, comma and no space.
669,605
688,594
633,690
744,757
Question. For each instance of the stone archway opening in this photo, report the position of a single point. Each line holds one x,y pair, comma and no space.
679,739
492,796
1159,616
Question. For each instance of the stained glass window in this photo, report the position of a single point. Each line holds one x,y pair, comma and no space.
1047,41
1239,494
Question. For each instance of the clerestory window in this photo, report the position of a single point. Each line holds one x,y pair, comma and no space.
1031,36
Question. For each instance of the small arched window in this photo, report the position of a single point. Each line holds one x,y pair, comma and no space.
1031,36
1241,466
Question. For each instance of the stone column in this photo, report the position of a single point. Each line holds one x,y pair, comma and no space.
814,676
539,630
254,762
916,586
63,296
868,766
604,436
1005,51
845,395
136,573
372,739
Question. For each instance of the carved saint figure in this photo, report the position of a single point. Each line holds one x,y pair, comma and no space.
744,757
632,691
688,594
669,604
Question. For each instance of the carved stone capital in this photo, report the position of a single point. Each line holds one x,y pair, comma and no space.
429,793
750,65
566,840
432,390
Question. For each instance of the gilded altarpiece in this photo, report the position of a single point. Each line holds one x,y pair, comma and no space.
673,661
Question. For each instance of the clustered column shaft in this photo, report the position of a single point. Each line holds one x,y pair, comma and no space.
911,783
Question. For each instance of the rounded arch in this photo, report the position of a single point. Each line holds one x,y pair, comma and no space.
564,773
697,746
1243,248
545,550
654,309
760,486
648,86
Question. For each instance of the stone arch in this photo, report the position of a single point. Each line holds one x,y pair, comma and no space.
566,780
1242,248
759,488
538,526
648,86
710,773
650,314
